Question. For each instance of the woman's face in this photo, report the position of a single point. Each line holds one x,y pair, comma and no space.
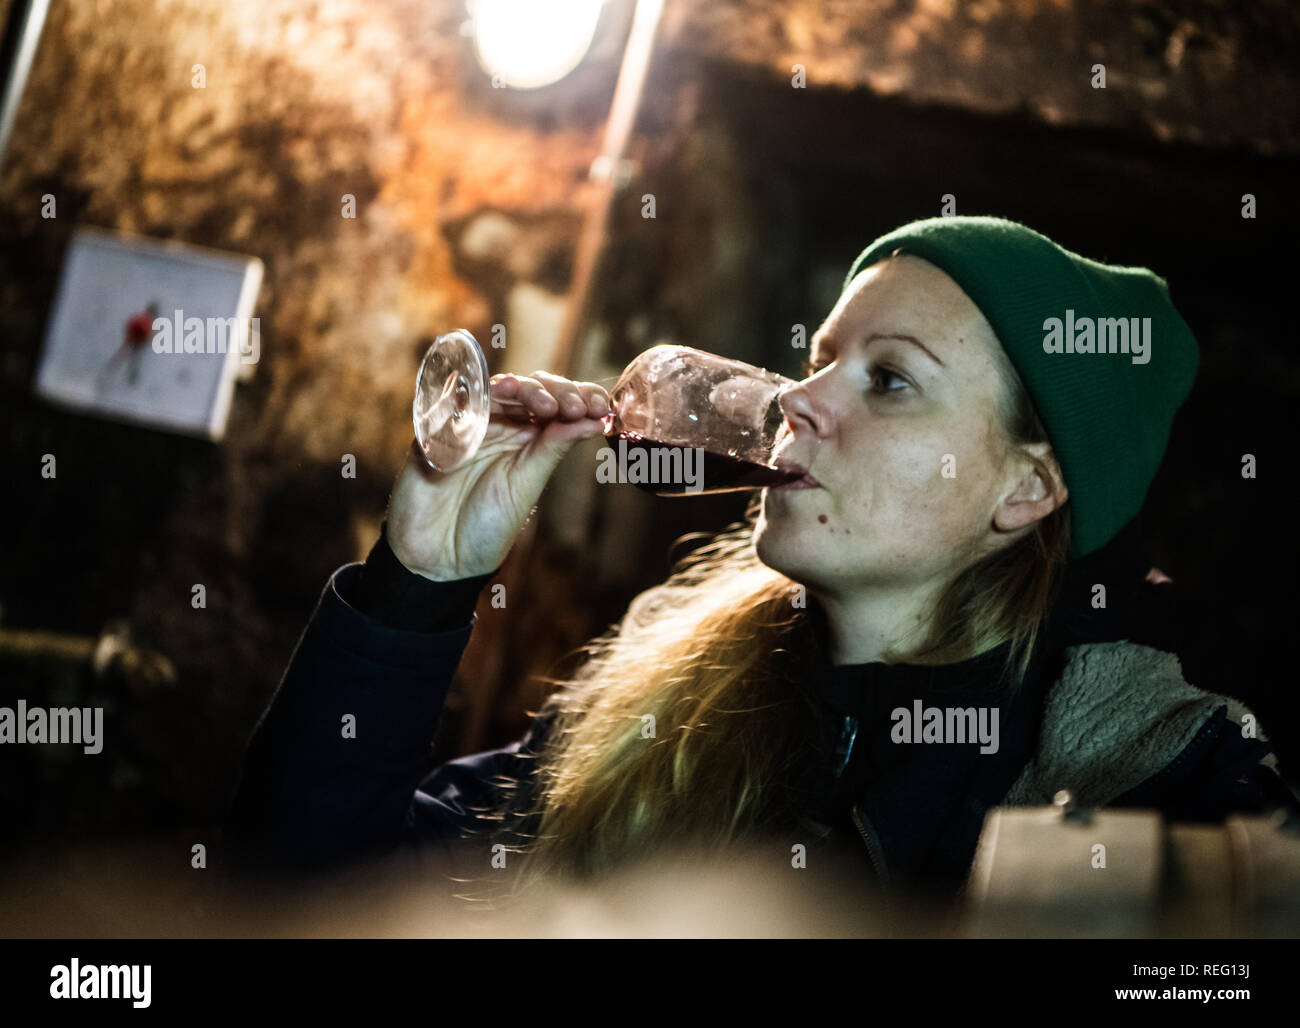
899,425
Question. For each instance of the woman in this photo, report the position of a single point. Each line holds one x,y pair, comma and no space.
963,544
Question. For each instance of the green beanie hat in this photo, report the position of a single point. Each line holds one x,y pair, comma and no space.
1106,383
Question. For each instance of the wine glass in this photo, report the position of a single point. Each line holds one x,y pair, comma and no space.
669,397
673,397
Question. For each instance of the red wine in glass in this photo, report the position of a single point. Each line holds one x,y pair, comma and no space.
721,472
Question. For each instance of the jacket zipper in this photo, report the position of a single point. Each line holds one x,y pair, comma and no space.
874,853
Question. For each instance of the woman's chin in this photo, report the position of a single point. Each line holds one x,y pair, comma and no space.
774,549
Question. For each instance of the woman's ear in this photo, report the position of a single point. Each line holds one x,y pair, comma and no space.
1036,488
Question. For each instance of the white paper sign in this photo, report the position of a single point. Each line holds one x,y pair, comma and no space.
151,331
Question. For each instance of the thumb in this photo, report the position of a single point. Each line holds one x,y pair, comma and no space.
559,436
557,439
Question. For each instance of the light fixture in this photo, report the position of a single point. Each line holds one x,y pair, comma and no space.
527,44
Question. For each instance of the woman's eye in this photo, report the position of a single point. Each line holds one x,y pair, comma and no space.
885,375
883,380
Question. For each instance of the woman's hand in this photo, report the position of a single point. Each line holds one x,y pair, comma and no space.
461,523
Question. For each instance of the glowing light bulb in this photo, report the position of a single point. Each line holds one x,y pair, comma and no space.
532,43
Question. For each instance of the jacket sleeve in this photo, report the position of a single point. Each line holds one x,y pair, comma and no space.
1229,767
334,769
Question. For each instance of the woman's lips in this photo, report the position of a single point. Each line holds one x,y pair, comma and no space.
804,481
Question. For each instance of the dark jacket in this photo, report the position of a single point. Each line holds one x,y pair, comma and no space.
1104,712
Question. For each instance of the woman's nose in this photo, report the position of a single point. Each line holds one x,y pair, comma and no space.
801,412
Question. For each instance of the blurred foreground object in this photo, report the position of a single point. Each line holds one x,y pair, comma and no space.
1060,872
1032,879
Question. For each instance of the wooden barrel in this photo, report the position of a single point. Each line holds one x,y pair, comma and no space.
1061,872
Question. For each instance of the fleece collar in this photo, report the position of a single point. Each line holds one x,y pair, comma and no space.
1119,713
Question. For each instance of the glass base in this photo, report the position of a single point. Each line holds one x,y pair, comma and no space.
452,400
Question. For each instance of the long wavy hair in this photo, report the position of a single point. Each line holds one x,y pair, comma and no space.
692,722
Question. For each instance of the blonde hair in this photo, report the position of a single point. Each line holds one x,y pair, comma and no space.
692,721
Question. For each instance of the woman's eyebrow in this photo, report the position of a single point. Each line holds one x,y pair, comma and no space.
882,335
